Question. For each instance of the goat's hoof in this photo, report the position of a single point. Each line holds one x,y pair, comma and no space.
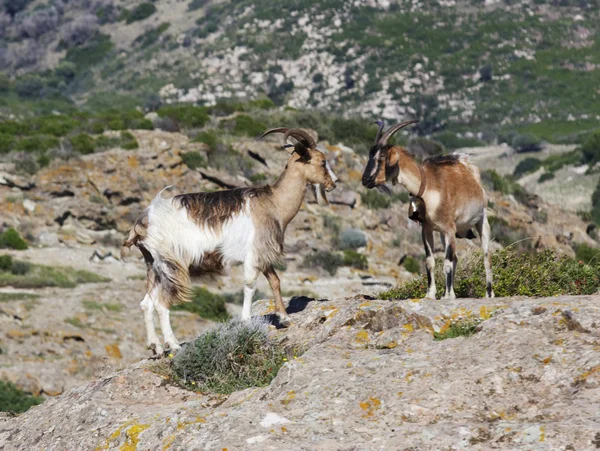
429,298
285,320
173,347
157,349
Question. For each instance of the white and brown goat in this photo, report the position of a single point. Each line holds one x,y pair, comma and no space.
453,197
200,234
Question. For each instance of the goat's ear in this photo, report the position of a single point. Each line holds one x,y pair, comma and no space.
393,157
303,152
321,195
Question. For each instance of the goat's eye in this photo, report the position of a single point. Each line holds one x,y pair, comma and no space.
324,164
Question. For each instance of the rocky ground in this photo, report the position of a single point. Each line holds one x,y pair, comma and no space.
372,377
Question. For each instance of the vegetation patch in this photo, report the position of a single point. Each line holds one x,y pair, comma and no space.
352,239
17,296
375,200
411,264
332,261
20,274
10,239
461,328
185,115
527,166
13,400
233,356
495,182
140,12
193,160
538,274
205,304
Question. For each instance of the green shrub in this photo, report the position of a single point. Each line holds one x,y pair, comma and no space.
209,138
14,400
55,125
196,4
595,213
11,239
6,263
591,149
30,86
537,274
150,36
128,141
586,254
355,260
105,142
39,276
495,182
426,147
527,143
329,261
193,160
185,115
206,305
555,162
352,239
94,52
526,166
37,143
83,143
7,143
5,84
234,356
452,142
545,177
20,268
260,177
412,265
140,12
246,125
375,200
462,328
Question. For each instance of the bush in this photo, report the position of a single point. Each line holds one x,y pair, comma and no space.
37,143
39,276
595,213
149,37
55,125
83,143
555,162
206,305
464,327
246,125
424,147
20,268
352,239
11,239
234,356
128,141
185,115
526,143
451,142
6,263
591,149
7,143
30,86
193,160
5,84
545,177
355,260
375,200
14,400
412,265
260,177
329,261
209,138
538,274
526,166
140,12
586,254
196,4
494,181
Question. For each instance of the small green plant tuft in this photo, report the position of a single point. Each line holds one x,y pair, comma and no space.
205,304
185,115
233,356
329,261
14,400
193,160
83,143
527,166
411,264
128,141
11,239
355,259
352,239
461,328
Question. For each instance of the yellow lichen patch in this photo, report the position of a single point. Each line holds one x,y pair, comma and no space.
583,377
349,365
132,161
542,433
362,336
182,424
485,312
416,300
390,345
409,327
113,351
132,434
283,429
114,436
370,407
400,393
547,360
365,304
290,396
167,442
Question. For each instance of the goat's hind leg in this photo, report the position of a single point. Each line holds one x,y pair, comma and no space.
174,288
483,229
428,243
275,284
450,262
147,307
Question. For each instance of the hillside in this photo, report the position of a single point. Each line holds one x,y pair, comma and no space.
474,71
371,377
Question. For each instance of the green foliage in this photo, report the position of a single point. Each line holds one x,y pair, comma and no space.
29,86
462,328
196,4
527,143
208,137
234,356
451,142
246,125
260,177
374,200
555,162
128,141
586,254
93,305
526,166
495,182
538,274
37,143
352,239
591,149
11,239
55,125
14,400
186,115
329,261
206,305
545,177
20,268
94,52
83,143
355,260
150,36
140,12
193,160
5,83
6,263
7,143
595,213
411,264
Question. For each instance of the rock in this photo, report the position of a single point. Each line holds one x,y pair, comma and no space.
372,375
47,238
29,205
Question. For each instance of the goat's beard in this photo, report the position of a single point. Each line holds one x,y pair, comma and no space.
321,195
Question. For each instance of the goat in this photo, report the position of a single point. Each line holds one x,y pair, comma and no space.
200,234
453,200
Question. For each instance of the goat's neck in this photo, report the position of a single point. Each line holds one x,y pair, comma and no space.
409,174
288,194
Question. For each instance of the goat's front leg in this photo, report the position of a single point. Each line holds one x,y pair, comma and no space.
450,262
483,228
147,307
427,234
273,279
165,325
250,276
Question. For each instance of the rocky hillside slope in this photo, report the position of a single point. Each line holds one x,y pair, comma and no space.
372,377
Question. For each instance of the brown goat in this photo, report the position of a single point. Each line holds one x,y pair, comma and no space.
453,197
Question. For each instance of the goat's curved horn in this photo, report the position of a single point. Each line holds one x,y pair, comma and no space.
381,124
274,130
390,131
302,137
